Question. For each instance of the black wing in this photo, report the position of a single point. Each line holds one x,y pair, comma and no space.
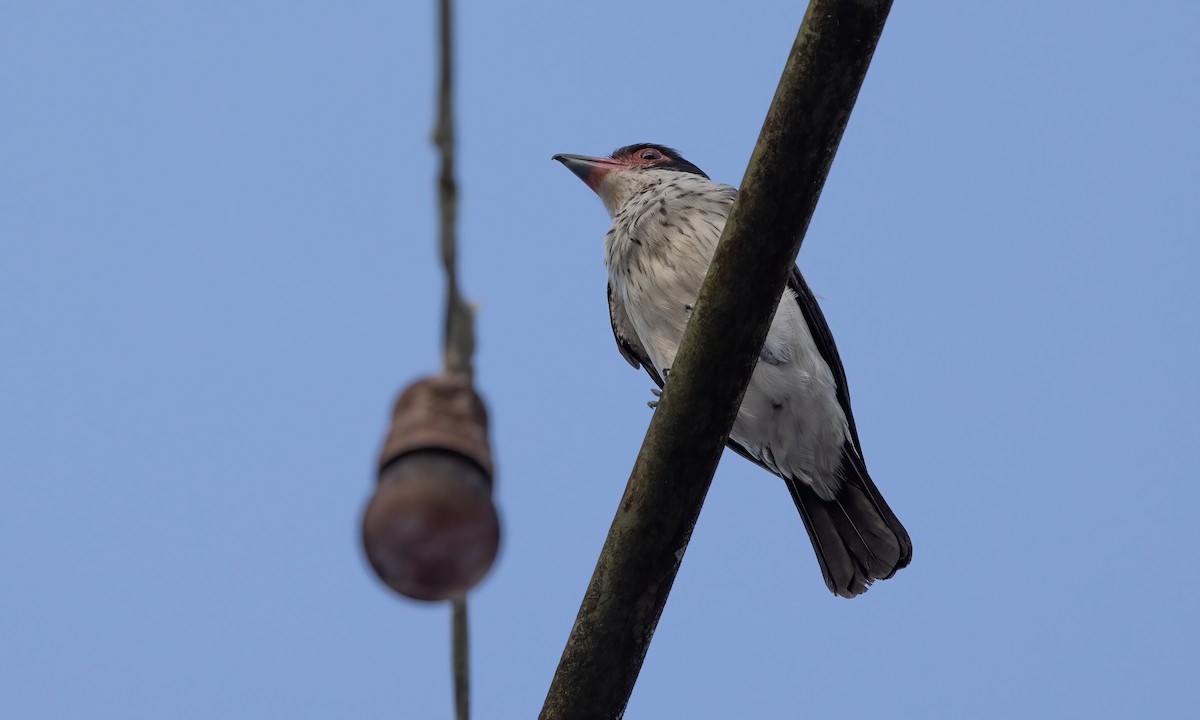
856,536
825,344
627,340
823,339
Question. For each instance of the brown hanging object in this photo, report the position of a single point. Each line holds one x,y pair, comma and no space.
431,530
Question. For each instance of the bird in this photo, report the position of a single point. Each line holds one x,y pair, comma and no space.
795,419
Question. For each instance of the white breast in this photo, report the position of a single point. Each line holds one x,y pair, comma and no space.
657,253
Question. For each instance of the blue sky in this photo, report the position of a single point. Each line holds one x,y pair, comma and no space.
217,267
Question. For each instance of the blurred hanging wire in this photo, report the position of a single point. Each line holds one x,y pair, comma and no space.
459,331
459,337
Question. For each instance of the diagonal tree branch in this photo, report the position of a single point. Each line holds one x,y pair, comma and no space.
720,347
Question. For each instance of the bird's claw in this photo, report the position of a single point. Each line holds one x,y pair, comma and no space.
653,404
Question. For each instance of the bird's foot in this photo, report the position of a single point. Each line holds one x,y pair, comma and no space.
653,404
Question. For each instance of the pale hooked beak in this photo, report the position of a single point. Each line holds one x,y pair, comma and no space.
591,170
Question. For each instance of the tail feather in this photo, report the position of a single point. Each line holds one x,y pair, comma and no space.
856,536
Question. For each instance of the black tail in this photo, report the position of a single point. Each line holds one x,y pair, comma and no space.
856,535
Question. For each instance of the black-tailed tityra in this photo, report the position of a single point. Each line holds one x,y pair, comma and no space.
795,418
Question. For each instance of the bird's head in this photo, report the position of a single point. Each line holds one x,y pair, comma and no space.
617,177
